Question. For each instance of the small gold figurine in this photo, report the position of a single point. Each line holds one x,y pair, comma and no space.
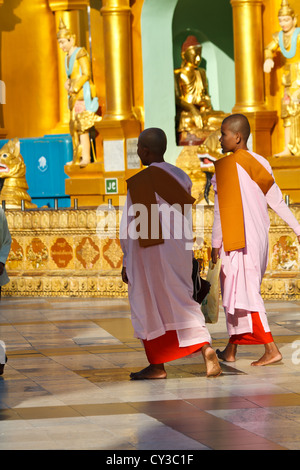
208,153
195,115
13,172
288,42
83,103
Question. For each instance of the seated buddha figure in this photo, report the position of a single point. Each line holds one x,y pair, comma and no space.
194,113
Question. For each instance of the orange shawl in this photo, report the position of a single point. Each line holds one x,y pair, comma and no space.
229,194
142,188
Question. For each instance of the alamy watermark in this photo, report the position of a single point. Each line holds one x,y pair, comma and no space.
296,354
137,220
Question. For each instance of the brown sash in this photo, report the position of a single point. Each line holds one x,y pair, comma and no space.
142,188
229,194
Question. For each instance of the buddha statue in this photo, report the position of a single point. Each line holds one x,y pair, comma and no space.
287,41
195,116
82,100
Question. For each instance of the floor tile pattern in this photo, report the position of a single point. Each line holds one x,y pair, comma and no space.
66,384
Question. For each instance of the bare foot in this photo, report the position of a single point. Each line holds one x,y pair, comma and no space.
228,354
213,368
153,371
285,153
272,355
84,163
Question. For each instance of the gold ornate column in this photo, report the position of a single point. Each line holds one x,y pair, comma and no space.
118,59
3,132
74,15
248,56
119,128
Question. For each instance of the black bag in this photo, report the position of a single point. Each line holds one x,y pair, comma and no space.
201,286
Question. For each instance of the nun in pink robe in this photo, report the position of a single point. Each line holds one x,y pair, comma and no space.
160,287
242,270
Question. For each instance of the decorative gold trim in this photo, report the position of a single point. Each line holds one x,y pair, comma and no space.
76,253
65,5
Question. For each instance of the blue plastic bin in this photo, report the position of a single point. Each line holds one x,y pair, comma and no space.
45,158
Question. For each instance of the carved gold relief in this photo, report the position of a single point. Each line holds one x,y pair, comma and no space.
66,254
87,252
61,253
113,254
15,256
37,253
188,161
285,254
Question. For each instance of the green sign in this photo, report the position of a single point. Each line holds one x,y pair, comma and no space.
111,185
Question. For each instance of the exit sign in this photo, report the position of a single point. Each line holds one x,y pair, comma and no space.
111,185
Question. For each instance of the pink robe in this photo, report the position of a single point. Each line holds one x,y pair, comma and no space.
242,270
160,284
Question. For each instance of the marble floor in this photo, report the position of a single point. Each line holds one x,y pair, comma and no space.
66,384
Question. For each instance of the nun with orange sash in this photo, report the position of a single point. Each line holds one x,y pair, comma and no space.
156,240
244,188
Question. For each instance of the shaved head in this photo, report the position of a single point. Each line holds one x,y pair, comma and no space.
155,140
238,123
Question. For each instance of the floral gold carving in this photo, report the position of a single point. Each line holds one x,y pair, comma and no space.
112,253
87,252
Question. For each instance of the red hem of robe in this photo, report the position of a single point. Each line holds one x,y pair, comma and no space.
166,348
259,336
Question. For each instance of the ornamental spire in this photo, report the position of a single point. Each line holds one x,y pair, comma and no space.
63,31
285,9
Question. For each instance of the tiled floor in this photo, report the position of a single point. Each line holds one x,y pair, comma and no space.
66,384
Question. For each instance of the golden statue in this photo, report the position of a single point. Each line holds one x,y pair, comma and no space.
195,116
288,41
13,172
83,103
208,153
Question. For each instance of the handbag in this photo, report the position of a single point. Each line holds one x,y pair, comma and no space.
210,305
201,286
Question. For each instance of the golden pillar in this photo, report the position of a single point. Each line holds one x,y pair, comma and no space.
74,15
248,56
119,128
3,132
118,59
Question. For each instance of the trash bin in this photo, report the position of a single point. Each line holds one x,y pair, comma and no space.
45,158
